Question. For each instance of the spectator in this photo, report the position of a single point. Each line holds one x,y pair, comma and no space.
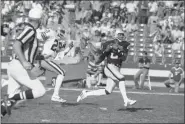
177,74
153,7
158,48
105,27
78,15
160,12
96,27
176,33
132,9
123,14
167,36
152,23
157,34
144,65
96,16
177,44
169,4
176,18
142,12
106,14
131,27
97,5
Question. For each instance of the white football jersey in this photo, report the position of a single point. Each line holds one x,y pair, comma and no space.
51,42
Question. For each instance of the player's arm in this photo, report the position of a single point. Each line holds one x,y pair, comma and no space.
104,54
23,38
68,48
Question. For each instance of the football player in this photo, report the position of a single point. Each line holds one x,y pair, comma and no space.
19,69
177,78
51,47
116,53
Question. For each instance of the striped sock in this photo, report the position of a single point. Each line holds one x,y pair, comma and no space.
23,95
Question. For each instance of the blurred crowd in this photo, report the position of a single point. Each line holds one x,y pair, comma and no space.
98,21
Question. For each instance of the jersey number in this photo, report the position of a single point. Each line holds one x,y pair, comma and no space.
56,44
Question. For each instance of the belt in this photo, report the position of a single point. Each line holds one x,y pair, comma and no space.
117,65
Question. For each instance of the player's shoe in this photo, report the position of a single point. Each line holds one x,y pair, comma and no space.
82,95
7,103
53,81
129,102
57,99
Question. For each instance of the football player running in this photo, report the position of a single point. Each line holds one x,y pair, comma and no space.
19,70
115,52
51,47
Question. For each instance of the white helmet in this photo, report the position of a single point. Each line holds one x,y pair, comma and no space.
35,13
119,31
122,6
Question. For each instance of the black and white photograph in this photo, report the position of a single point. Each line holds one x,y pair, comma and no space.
92,61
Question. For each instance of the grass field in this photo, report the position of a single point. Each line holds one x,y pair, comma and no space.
156,106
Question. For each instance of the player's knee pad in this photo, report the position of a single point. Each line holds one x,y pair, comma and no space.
107,92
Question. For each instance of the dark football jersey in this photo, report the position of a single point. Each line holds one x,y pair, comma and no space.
115,56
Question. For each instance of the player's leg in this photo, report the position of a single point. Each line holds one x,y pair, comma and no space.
117,76
88,80
109,88
168,82
145,73
13,88
136,76
99,79
176,87
110,85
52,66
19,74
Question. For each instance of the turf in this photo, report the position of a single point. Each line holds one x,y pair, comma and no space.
150,108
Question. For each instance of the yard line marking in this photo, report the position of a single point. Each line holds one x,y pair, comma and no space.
131,92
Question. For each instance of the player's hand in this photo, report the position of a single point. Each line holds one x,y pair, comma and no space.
108,48
27,65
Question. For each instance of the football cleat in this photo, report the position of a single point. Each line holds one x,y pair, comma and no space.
129,102
7,103
53,81
57,99
82,95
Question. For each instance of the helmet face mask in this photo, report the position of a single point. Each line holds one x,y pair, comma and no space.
121,36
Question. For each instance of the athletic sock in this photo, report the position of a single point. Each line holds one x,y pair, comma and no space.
58,84
28,94
123,90
99,92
